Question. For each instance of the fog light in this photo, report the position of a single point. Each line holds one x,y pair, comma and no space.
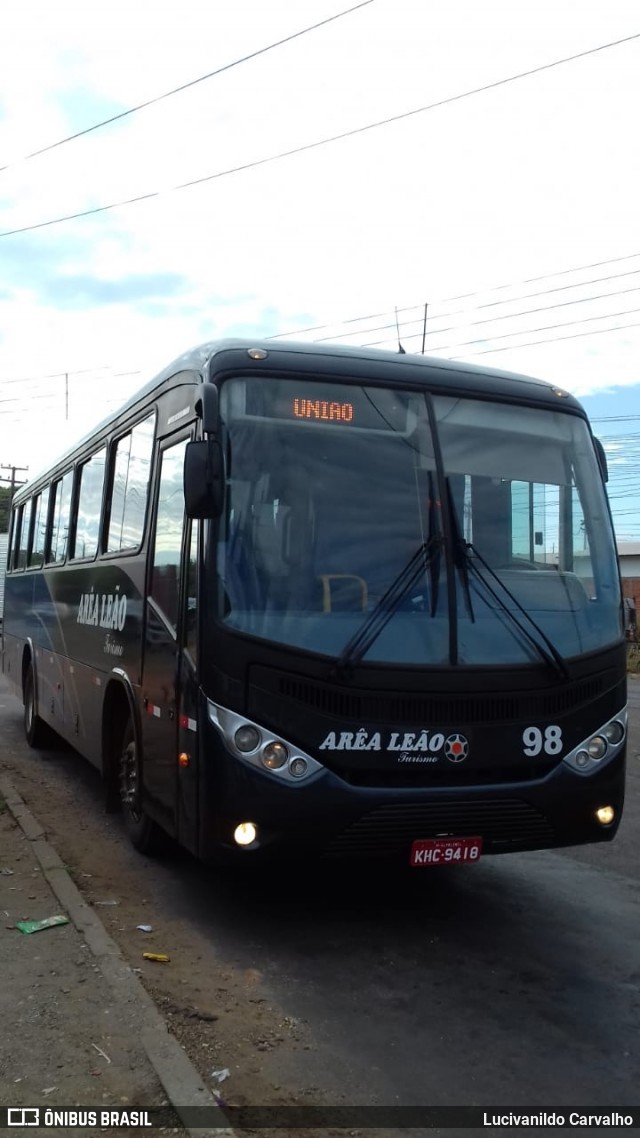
245,834
597,747
614,732
582,759
298,767
247,738
275,756
605,815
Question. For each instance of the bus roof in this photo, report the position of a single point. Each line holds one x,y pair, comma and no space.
407,369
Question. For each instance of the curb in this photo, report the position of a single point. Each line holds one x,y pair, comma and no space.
181,1082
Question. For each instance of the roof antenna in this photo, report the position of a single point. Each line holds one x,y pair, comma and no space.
424,326
401,350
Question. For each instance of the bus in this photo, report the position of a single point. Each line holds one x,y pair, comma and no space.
344,602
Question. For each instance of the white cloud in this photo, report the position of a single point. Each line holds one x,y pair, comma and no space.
531,178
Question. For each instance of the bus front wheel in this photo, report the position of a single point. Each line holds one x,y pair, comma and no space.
141,830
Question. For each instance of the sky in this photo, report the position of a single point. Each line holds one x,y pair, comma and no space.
511,212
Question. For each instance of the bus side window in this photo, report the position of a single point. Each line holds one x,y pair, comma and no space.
15,538
20,532
91,479
165,576
130,487
24,535
38,541
60,517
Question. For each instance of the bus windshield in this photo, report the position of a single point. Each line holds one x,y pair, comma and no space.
334,489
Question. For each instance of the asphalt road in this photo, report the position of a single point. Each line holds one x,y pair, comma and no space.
512,982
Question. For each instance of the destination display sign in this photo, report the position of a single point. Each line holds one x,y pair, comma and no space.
338,406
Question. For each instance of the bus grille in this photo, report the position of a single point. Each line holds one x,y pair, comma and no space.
392,829
428,774
382,707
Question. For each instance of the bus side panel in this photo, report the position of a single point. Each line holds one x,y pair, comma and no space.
83,621
50,680
12,649
84,691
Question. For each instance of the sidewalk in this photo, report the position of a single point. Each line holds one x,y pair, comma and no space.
77,1026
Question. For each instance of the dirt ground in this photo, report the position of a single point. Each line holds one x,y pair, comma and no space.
214,1005
65,1040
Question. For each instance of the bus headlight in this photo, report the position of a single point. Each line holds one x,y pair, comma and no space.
598,749
614,732
258,747
247,738
274,756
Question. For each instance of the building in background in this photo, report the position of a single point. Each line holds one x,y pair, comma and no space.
4,544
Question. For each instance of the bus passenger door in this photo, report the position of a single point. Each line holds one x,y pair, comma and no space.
162,666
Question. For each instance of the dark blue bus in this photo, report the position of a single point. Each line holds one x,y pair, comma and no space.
342,601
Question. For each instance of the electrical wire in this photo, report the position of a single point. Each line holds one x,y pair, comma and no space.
492,319
185,86
318,142
407,336
523,331
533,343
552,340
464,296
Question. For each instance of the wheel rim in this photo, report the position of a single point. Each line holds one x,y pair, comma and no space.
129,780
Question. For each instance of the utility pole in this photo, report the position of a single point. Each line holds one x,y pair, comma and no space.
13,480
5,507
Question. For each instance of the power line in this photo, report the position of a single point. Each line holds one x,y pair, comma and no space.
319,142
534,343
523,331
185,86
467,296
405,324
52,395
493,319
41,379
551,340
60,374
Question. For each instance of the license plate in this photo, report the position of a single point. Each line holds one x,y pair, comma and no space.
446,851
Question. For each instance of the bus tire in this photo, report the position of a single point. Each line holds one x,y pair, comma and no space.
142,831
36,731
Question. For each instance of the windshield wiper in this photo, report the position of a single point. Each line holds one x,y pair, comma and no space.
425,556
545,647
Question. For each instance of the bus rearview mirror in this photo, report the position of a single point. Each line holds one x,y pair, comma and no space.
203,479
